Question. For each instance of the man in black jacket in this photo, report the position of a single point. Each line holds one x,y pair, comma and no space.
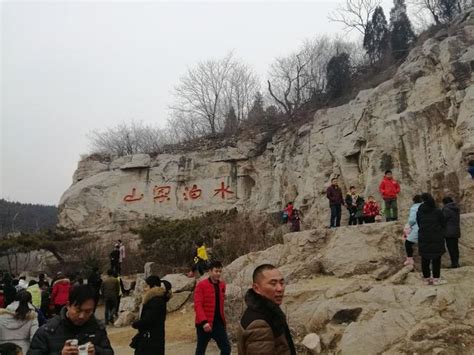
76,322
452,216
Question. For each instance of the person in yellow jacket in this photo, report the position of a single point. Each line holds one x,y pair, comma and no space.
200,260
35,291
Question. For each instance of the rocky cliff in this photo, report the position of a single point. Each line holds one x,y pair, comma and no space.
349,287
420,124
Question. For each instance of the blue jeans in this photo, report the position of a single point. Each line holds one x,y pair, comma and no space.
218,333
335,215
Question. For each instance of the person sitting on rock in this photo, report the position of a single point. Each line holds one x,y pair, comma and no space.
355,206
371,210
453,229
412,229
389,188
200,260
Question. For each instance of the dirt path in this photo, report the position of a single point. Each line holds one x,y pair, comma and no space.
180,335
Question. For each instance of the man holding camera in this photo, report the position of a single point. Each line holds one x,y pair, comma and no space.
75,331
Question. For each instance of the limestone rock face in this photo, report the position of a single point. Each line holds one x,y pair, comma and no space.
349,307
420,124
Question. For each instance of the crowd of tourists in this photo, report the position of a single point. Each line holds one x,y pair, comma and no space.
34,313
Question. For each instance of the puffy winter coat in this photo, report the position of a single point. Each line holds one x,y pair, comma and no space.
389,188
151,326
60,293
263,328
413,236
371,209
431,232
50,338
453,220
205,302
17,331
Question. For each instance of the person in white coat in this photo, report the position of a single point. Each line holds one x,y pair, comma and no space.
412,230
19,322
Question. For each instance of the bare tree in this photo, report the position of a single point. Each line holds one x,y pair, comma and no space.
441,11
201,92
355,14
206,93
301,77
129,138
289,83
242,85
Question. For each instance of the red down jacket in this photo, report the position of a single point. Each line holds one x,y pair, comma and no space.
60,294
389,188
205,302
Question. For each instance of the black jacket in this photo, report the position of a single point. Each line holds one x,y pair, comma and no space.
50,338
453,220
151,326
431,233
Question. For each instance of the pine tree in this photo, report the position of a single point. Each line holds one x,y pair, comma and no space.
401,31
257,112
376,36
338,74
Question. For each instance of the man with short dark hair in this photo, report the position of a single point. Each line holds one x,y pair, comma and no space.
389,188
263,327
334,195
209,296
76,321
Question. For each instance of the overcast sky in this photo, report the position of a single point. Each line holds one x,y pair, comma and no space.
69,68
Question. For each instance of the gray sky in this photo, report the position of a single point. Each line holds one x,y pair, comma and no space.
69,68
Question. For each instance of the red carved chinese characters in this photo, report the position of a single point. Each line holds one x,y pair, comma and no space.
223,190
192,193
161,193
132,197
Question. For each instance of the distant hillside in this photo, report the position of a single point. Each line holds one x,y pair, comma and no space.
26,217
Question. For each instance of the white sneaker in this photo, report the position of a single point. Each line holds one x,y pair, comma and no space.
428,281
438,282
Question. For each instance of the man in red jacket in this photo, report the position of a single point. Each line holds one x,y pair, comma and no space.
389,188
210,323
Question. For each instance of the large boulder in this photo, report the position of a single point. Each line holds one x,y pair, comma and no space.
125,319
180,282
177,301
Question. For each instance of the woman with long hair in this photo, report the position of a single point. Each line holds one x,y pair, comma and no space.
431,234
150,339
19,322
